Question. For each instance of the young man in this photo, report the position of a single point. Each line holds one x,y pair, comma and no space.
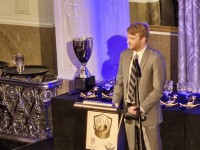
150,85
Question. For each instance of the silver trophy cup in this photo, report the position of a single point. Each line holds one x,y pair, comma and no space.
83,50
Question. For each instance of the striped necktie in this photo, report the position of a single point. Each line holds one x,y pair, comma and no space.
132,81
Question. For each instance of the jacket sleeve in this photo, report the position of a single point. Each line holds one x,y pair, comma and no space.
159,79
118,88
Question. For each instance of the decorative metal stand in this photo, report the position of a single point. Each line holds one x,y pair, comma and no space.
25,113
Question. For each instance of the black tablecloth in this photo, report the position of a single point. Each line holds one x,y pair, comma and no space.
180,129
69,123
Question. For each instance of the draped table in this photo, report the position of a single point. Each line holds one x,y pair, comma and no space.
180,129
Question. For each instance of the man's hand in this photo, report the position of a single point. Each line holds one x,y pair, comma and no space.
132,110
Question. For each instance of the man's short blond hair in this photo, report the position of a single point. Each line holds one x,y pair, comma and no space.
141,28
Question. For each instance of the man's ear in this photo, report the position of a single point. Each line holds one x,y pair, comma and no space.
143,39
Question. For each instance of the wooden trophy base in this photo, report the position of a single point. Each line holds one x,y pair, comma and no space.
84,84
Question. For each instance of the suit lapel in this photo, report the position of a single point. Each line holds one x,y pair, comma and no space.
128,62
128,59
144,58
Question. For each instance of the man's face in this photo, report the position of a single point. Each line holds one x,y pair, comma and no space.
134,42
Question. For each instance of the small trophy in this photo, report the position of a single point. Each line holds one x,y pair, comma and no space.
18,60
83,50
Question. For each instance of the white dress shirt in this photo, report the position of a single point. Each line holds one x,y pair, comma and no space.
140,54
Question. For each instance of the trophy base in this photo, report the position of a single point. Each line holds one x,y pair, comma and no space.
84,84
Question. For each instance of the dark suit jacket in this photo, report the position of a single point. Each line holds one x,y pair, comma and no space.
151,83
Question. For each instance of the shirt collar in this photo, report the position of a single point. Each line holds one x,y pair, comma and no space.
140,54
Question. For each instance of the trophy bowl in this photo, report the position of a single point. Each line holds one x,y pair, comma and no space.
83,49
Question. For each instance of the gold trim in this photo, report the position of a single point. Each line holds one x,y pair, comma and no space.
164,28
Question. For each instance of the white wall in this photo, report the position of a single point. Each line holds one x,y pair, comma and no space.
27,12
